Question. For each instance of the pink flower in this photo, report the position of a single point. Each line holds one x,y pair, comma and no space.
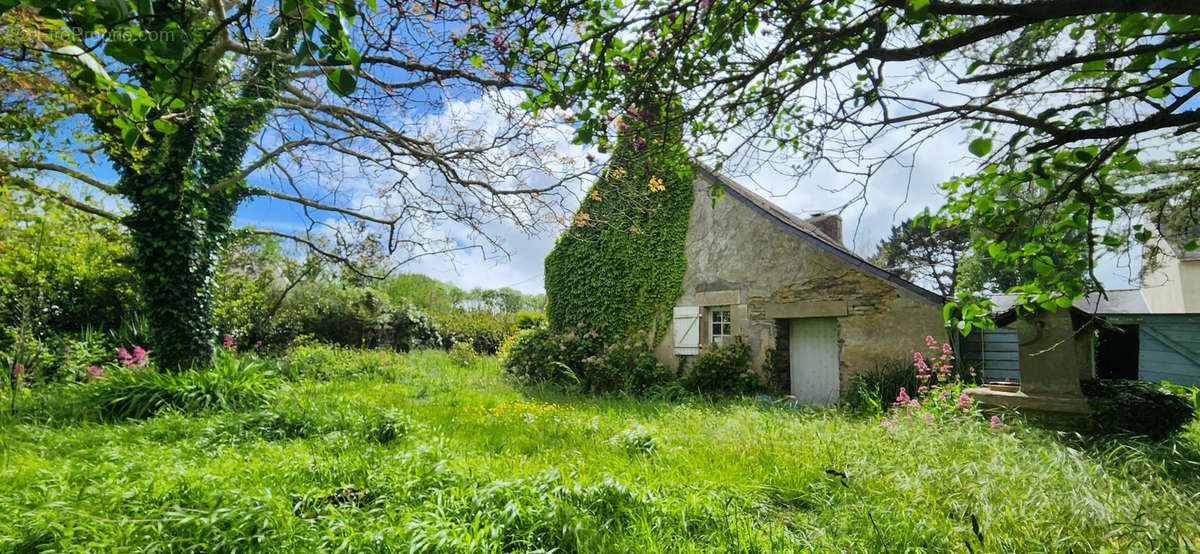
257,343
902,398
919,363
922,389
928,418
137,359
139,356
227,342
96,372
964,402
996,423
929,341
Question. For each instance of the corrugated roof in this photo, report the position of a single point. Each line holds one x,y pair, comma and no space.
809,231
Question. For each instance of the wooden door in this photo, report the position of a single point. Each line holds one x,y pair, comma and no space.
814,360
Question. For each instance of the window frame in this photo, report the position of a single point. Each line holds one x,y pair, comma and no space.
725,325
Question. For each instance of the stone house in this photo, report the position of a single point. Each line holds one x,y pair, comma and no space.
801,299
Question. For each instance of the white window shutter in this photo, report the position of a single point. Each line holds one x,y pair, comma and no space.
687,330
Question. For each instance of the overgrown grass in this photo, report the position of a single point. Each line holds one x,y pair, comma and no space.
367,451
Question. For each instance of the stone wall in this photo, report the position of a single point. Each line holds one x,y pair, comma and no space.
739,256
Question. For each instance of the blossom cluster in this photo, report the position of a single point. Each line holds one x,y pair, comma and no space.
132,360
940,395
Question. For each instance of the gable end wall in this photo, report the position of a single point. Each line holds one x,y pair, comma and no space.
736,251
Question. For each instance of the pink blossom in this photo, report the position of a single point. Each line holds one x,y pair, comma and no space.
227,342
96,372
963,403
928,418
137,359
18,373
258,344
902,398
139,356
930,341
922,389
996,423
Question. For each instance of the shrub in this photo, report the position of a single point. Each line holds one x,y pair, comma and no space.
1136,407
723,370
626,366
528,320
132,393
541,356
483,329
463,354
577,359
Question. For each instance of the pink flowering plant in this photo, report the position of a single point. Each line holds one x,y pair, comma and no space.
132,360
940,397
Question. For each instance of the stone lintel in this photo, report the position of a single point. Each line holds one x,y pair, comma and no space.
788,310
719,298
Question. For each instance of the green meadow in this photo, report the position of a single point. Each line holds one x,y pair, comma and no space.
332,449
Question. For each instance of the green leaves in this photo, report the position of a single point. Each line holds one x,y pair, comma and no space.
342,82
980,147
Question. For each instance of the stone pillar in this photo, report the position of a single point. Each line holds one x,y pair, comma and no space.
1049,354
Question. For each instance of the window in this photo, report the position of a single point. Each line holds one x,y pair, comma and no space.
720,325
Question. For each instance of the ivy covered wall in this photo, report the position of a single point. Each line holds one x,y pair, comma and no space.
619,267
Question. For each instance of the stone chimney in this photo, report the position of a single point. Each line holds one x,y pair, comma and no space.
830,224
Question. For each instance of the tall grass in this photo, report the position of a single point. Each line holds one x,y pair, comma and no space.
231,383
370,452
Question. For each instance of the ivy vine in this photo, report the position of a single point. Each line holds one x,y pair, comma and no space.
619,267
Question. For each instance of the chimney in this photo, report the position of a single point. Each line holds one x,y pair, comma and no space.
830,224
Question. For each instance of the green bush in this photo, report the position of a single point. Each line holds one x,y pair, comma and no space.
232,383
577,359
1137,407
463,354
723,370
361,317
540,355
69,264
483,329
626,366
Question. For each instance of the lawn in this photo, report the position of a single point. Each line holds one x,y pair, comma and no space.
369,451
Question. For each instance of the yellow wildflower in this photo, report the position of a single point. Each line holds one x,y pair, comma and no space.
618,173
656,184
582,219
596,195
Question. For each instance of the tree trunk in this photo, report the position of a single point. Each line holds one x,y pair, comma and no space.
177,229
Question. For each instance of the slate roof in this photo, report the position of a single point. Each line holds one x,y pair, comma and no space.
1112,302
806,230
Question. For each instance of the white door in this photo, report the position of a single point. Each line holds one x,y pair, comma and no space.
814,359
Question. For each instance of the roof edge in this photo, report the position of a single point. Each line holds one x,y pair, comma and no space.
746,197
